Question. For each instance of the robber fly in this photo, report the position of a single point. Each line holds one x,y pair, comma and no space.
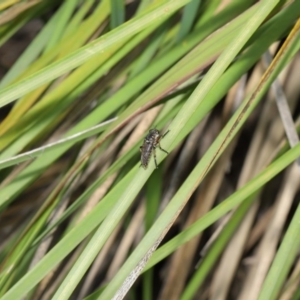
151,141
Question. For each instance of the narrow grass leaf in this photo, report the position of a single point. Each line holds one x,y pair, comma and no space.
216,249
117,13
135,263
85,53
289,247
188,18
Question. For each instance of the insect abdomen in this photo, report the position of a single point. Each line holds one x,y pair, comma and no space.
146,150
151,141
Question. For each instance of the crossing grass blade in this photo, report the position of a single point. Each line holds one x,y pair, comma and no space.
100,45
87,190
167,217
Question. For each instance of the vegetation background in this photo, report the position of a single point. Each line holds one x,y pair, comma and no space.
83,82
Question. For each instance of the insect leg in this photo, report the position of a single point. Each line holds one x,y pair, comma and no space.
162,149
165,133
154,155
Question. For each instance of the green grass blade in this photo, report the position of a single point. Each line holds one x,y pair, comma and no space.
215,250
31,52
66,12
289,247
164,220
189,15
85,53
195,59
85,264
251,187
68,141
117,13
69,242
284,259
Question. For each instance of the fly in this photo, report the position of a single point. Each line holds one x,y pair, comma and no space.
151,141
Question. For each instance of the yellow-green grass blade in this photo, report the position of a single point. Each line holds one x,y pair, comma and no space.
154,187
85,30
31,231
117,165
188,18
229,76
131,191
147,75
139,257
60,98
85,53
289,247
71,240
78,18
283,260
31,52
147,56
199,57
77,137
279,164
230,79
209,8
65,15
7,275
55,104
192,60
7,30
73,40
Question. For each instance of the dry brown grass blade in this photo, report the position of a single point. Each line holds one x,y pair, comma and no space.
182,261
264,154
133,230
260,150
139,127
227,267
268,245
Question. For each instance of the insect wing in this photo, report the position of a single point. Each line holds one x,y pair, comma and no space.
151,141
146,151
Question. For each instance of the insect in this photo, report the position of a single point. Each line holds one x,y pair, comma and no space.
151,141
